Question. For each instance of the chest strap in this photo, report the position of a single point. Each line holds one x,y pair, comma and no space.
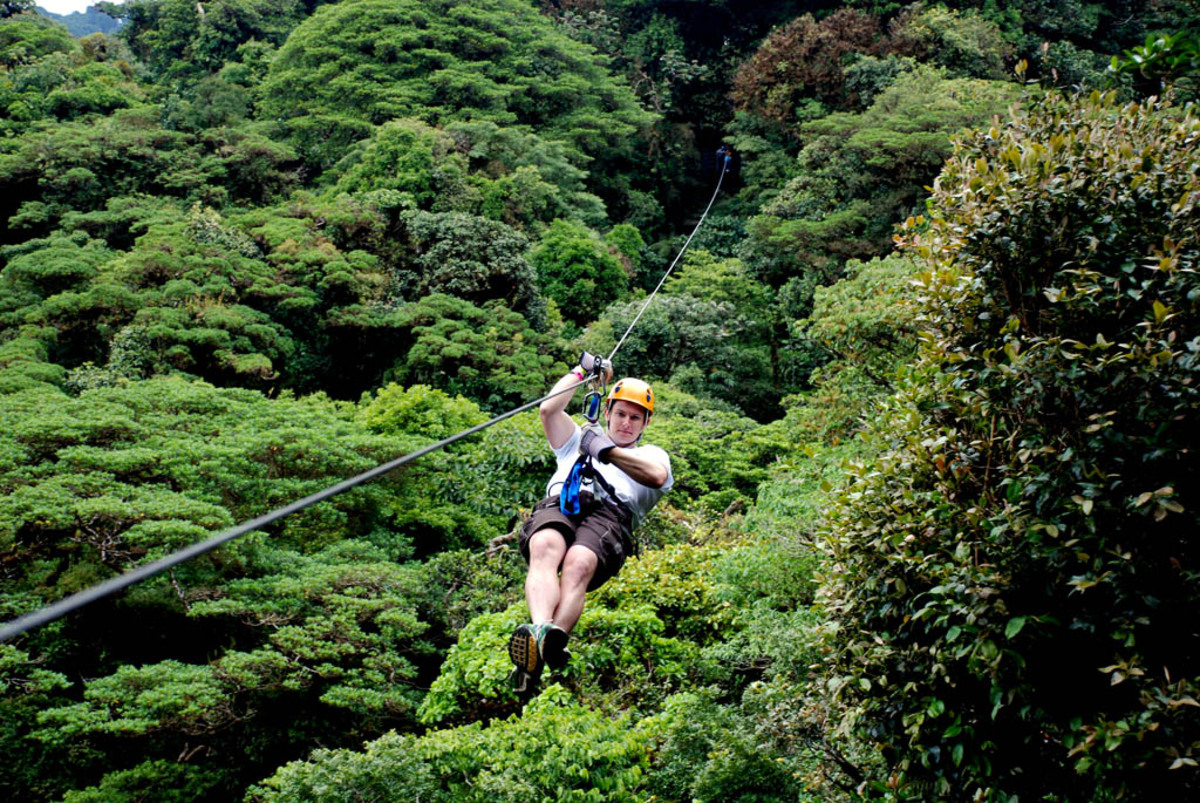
583,470
569,495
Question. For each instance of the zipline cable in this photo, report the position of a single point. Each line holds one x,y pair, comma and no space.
87,596
686,243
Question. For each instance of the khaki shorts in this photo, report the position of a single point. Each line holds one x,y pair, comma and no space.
602,526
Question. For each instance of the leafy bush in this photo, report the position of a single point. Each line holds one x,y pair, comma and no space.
711,752
474,677
555,749
1013,576
621,657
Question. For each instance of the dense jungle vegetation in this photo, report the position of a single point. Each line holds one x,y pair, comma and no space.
928,375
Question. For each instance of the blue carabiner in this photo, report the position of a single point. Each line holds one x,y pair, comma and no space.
591,405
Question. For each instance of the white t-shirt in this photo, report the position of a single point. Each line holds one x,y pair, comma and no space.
638,499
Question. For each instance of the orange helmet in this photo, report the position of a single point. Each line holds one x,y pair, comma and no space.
635,391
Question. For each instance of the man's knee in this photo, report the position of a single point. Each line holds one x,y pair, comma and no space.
547,545
579,566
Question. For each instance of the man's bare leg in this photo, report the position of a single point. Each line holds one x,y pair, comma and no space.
577,570
542,592
555,602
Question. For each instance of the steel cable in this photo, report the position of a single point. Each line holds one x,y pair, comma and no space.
79,599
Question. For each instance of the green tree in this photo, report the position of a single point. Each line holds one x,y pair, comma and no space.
524,179
197,288
804,61
419,410
29,37
354,65
314,615
182,41
963,42
468,495
865,322
40,268
859,174
499,172
705,347
470,258
576,269
25,689
339,630
81,165
488,354
404,155
558,749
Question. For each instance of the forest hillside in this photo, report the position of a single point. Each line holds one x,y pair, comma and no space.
927,371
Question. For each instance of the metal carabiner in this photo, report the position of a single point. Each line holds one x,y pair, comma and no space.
591,405
594,398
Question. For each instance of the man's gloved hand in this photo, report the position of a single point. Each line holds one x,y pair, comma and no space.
591,364
596,443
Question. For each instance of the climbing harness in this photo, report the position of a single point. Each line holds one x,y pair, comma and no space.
592,403
568,497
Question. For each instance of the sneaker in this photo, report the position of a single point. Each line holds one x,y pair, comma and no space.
553,647
523,648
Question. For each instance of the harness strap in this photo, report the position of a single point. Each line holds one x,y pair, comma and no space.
569,494
603,483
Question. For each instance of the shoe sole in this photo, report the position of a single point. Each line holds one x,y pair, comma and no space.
523,650
554,648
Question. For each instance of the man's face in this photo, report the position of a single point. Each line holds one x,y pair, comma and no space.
626,421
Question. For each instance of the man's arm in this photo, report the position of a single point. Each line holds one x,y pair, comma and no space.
557,424
641,468
553,411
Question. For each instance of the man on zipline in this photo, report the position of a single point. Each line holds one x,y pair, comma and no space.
580,534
